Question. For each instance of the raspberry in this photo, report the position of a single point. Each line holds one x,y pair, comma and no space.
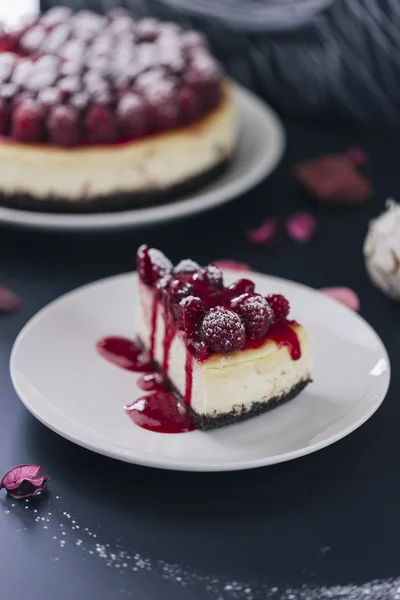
147,29
162,287
100,125
4,115
241,286
214,276
178,290
63,125
33,39
188,104
191,316
7,64
279,305
192,41
162,101
132,115
69,85
187,265
256,314
222,330
27,121
152,265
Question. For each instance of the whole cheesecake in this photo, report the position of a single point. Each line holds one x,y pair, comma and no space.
103,113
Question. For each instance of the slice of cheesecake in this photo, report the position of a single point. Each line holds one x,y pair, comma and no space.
228,351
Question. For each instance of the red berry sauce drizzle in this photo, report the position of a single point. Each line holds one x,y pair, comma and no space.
82,79
212,319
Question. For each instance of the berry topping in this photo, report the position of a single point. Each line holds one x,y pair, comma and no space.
162,286
100,125
4,115
191,316
27,121
57,38
33,39
63,125
22,72
241,286
132,115
7,64
162,100
152,265
193,40
214,276
56,15
79,101
222,330
147,30
50,97
188,104
187,265
178,290
255,313
9,91
69,85
279,305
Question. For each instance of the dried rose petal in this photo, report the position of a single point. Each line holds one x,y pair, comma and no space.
344,295
265,234
24,481
233,265
301,227
9,302
358,156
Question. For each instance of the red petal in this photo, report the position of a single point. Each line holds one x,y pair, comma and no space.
9,302
265,234
344,295
301,227
233,265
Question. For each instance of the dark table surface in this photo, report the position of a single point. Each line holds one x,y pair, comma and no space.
108,530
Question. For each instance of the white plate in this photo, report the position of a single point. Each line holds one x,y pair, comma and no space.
62,380
262,141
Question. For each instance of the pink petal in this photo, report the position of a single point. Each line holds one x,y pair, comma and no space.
9,302
344,295
301,227
233,265
265,234
358,156
18,474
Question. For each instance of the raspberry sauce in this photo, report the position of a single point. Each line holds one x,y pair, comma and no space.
161,412
125,353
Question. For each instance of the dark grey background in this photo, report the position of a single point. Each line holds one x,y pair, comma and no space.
330,518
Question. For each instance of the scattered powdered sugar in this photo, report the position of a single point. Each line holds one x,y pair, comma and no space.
187,265
125,560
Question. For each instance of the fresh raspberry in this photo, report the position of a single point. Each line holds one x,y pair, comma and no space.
133,116
192,41
100,125
147,29
4,118
80,101
57,38
162,287
7,64
187,265
222,330
50,97
213,276
162,102
27,121
54,16
33,39
241,286
22,72
191,317
73,50
255,313
178,290
188,104
69,85
152,265
63,125
279,305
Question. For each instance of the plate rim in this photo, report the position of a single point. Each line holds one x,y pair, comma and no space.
184,207
169,463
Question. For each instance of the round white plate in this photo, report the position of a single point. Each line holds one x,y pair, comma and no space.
62,380
261,145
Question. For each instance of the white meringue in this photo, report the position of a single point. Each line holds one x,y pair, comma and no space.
382,250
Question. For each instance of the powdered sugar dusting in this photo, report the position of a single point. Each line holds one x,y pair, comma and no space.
67,533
